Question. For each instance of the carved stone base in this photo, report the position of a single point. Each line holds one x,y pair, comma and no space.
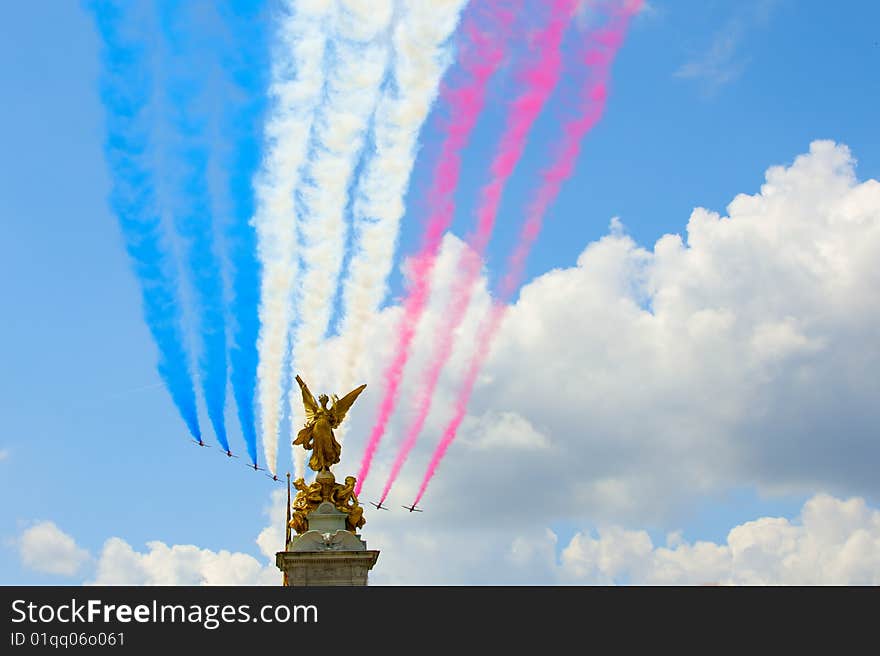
315,568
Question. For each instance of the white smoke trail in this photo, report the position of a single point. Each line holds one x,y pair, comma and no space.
359,53
422,53
295,91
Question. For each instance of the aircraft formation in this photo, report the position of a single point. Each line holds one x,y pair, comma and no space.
274,477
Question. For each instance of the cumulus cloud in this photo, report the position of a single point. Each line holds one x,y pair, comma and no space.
832,542
271,539
620,389
161,564
186,564
836,542
741,353
503,430
45,548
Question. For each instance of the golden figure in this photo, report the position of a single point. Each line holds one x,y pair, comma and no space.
299,522
309,496
307,499
345,501
317,436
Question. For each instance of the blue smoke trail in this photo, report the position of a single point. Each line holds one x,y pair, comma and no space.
125,92
246,63
193,215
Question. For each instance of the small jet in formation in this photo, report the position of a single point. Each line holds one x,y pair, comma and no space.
255,467
412,508
199,442
274,477
379,505
228,453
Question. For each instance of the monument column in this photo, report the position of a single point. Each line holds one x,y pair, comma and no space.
326,553
326,515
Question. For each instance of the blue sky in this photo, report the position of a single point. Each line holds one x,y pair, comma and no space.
705,96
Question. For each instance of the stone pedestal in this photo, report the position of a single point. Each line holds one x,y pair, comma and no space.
313,568
326,554
327,550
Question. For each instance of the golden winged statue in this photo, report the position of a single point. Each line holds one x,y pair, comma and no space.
317,436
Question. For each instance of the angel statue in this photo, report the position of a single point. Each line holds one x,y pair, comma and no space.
317,435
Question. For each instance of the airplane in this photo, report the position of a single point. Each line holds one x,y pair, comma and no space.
200,442
255,467
412,508
379,506
274,477
228,453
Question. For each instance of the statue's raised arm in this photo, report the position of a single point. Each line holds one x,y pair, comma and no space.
309,402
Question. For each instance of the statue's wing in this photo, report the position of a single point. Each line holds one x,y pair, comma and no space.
309,402
342,405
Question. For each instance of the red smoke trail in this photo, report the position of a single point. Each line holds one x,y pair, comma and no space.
598,56
480,58
540,76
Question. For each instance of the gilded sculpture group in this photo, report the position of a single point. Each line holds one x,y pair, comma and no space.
318,437
323,489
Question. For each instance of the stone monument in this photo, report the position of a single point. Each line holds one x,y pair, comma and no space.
325,515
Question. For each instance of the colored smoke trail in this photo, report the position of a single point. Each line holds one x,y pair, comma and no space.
464,394
480,58
244,64
540,77
421,55
601,48
190,203
125,92
295,91
359,51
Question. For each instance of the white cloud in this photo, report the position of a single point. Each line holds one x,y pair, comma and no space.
833,541
836,542
45,548
627,385
161,564
271,539
619,389
500,431
624,387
